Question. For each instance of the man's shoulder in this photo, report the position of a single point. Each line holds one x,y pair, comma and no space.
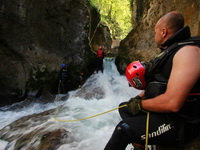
190,48
189,52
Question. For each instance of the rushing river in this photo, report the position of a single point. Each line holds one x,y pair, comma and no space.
100,93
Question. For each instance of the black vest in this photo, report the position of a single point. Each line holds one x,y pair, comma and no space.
161,68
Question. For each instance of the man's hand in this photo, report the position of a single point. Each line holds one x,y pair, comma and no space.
134,105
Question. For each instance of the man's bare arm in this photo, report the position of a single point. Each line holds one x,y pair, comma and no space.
185,73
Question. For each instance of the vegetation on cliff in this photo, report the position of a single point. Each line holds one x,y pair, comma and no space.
116,14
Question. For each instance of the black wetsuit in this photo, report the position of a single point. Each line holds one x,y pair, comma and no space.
164,128
63,75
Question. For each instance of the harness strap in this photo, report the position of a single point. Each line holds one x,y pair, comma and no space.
171,50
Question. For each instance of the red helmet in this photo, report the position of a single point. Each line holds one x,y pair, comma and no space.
100,47
135,75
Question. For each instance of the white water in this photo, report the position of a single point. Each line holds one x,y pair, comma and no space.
93,133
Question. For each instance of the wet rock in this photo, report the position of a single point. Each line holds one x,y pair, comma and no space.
34,132
42,140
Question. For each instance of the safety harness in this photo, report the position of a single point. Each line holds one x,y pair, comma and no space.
164,59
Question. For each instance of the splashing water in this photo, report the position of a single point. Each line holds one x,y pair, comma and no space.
100,93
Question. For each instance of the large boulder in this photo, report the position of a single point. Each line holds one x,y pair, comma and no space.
36,37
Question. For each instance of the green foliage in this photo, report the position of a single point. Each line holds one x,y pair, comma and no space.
116,14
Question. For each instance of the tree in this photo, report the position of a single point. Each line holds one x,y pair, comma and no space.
116,14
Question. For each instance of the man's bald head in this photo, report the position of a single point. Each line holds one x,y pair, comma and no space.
174,21
167,25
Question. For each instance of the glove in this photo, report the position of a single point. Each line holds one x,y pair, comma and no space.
134,105
148,66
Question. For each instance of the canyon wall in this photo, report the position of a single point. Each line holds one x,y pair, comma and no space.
139,44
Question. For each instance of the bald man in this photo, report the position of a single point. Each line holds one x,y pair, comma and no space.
174,113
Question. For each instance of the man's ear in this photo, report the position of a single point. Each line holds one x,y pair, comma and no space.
164,32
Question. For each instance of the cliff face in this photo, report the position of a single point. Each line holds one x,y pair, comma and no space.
36,37
139,44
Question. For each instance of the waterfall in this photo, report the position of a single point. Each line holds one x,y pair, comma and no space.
101,92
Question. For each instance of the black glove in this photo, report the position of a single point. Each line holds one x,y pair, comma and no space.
134,105
148,66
